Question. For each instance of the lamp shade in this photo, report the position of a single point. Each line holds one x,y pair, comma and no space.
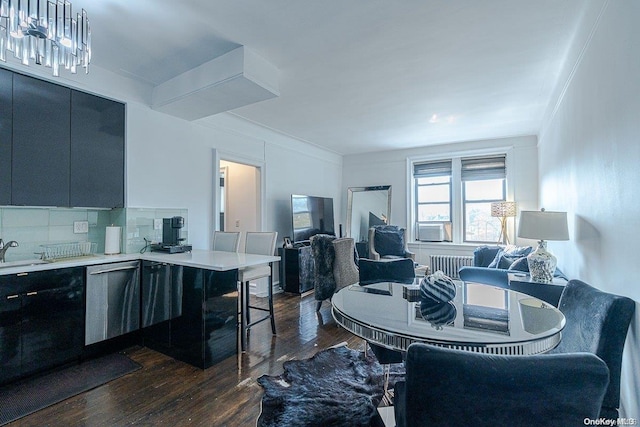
503,209
543,225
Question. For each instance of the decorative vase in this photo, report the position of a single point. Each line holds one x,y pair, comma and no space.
437,288
542,264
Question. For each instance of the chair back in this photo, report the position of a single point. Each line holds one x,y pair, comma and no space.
455,387
597,322
260,242
323,254
345,269
397,270
226,241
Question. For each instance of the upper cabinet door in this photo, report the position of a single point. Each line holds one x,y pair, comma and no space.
97,151
41,141
6,111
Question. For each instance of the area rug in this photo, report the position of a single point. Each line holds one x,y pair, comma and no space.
26,397
336,387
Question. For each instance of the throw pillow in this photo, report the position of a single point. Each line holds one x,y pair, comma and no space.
510,254
496,260
484,255
521,264
389,242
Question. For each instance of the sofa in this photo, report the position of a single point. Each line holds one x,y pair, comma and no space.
492,265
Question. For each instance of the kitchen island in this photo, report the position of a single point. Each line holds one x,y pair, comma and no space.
185,305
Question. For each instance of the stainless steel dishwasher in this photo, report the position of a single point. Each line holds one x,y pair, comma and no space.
113,300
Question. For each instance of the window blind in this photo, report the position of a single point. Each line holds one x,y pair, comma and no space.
475,168
431,169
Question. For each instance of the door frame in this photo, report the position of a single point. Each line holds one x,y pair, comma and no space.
261,176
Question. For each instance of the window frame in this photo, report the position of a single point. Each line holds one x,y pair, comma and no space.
457,209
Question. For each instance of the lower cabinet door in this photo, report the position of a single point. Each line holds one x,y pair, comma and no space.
220,311
187,325
10,339
52,324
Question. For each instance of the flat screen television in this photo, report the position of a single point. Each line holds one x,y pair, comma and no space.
311,215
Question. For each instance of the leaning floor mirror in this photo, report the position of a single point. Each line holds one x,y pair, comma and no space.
366,207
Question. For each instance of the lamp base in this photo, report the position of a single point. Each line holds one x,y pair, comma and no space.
542,264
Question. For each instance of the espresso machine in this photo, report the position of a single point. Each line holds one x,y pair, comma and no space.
171,240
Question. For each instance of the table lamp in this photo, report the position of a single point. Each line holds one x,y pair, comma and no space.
503,210
542,226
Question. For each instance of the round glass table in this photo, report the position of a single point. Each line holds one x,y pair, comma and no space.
480,318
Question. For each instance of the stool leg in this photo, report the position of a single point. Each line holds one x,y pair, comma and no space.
243,322
270,293
318,305
247,300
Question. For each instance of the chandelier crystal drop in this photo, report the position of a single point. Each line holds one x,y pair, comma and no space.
45,32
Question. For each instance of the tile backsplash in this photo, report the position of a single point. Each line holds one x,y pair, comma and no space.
33,227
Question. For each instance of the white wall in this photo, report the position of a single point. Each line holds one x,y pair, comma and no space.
390,168
170,162
588,166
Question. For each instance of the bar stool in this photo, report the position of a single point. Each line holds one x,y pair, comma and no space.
226,241
260,243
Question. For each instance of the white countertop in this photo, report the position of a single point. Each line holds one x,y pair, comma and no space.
210,260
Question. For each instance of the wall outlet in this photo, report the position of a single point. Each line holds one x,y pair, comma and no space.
157,224
80,227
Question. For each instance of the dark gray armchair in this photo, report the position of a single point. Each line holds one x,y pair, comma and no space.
446,387
597,322
334,265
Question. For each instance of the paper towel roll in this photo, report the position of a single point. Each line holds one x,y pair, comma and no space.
112,240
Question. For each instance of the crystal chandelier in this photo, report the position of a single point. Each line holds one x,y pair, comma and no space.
45,32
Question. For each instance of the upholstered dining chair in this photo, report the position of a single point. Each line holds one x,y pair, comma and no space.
334,265
260,243
388,241
597,322
462,388
226,241
395,270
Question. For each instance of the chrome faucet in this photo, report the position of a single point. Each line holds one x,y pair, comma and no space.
4,246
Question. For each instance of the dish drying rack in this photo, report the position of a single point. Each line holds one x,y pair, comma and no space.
59,251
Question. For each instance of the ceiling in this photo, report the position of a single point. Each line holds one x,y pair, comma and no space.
358,76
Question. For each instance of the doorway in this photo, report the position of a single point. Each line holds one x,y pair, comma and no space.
240,197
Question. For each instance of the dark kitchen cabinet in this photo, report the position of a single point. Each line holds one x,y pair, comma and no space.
189,313
41,143
41,321
97,151
6,118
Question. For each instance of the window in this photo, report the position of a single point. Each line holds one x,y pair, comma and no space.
483,182
458,193
433,191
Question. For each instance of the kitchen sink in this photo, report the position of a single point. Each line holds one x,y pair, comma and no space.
23,263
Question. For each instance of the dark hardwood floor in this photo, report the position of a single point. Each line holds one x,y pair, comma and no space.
171,393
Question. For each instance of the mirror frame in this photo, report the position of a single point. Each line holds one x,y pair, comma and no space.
352,190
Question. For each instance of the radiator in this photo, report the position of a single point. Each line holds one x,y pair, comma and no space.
449,264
